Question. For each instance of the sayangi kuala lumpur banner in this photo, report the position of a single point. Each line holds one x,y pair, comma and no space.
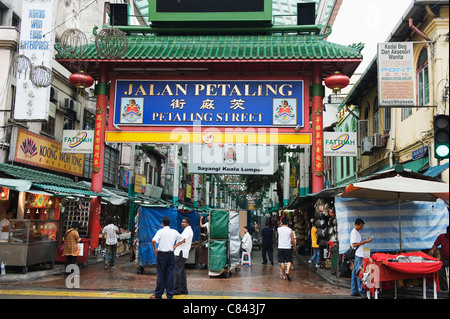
210,103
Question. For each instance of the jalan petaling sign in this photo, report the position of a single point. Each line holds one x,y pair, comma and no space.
339,144
212,103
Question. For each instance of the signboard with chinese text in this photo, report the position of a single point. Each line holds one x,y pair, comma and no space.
36,150
36,43
97,142
210,103
396,74
318,138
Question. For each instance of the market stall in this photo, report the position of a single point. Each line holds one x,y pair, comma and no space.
382,268
224,243
30,242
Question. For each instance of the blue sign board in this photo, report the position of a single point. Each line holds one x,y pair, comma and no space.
419,153
212,103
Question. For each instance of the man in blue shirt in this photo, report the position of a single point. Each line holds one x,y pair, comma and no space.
267,243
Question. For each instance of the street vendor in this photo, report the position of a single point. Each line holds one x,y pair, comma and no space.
246,242
442,240
357,243
4,225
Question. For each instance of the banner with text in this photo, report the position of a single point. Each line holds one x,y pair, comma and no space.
40,151
396,74
340,144
37,37
212,103
232,159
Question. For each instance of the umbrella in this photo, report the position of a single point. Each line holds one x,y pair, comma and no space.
398,188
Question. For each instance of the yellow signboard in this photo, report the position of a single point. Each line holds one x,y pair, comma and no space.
139,184
36,150
183,136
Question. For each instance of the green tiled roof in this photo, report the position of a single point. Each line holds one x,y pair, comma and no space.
46,181
228,47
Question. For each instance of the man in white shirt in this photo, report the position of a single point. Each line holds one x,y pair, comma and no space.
181,255
286,243
165,259
110,232
247,243
357,243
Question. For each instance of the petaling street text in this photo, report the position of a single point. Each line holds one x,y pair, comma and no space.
208,117
213,89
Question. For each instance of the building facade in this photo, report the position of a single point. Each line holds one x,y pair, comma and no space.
404,135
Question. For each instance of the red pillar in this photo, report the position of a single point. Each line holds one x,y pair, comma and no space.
98,155
317,122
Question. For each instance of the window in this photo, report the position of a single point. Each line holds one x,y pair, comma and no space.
49,126
387,119
422,79
69,123
88,120
376,113
406,112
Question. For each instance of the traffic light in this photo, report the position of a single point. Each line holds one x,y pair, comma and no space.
441,138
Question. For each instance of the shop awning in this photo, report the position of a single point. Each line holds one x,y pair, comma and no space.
58,185
436,170
328,192
112,197
19,185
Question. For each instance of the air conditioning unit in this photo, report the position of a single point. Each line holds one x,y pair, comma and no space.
62,107
70,104
367,145
378,140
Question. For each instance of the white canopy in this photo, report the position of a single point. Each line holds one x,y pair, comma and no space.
398,187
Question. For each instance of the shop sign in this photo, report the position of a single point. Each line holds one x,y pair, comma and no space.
36,150
234,159
419,153
75,141
139,184
97,141
153,191
396,74
37,35
340,144
126,178
38,200
211,103
318,138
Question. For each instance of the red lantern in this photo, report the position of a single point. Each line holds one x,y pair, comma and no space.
81,80
337,81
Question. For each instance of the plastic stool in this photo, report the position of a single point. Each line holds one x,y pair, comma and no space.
246,260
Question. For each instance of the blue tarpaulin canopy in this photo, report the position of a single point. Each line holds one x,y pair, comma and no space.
150,221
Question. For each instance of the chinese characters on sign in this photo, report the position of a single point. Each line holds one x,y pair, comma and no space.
97,142
40,151
213,103
37,34
318,159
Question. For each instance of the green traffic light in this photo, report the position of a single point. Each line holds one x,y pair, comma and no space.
442,151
